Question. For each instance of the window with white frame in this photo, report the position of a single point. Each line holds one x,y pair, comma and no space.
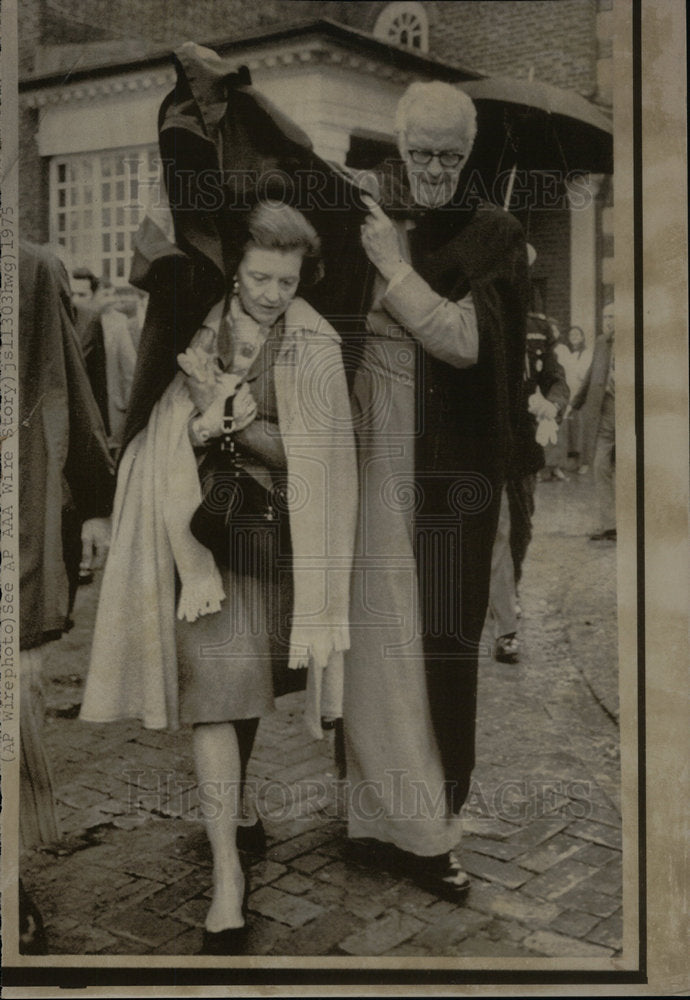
97,201
404,23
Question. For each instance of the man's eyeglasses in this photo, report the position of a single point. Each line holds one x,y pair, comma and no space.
447,158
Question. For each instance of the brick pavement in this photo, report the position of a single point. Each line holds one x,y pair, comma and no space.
542,823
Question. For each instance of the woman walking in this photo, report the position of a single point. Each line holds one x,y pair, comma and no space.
208,636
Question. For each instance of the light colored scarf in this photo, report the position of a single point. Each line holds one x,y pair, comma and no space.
133,672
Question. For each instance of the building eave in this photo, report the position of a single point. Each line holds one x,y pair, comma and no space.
379,56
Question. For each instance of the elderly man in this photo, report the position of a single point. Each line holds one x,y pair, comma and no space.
436,394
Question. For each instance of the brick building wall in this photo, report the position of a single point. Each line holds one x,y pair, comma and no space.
552,37
153,24
549,234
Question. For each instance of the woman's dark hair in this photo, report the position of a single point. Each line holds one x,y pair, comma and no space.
277,226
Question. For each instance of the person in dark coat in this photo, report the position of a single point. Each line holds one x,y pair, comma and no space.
436,394
66,486
599,391
108,348
545,398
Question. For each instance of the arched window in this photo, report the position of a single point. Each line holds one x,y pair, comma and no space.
404,23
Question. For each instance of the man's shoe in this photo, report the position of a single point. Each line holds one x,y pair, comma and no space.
610,535
442,875
507,649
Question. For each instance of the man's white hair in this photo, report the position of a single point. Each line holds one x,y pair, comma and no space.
436,105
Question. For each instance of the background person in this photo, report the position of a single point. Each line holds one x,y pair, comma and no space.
545,400
66,486
108,349
131,302
554,451
575,358
120,360
599,392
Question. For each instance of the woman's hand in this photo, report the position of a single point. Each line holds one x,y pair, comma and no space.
210,423
202,374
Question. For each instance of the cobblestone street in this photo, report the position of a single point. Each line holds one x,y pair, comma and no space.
542,824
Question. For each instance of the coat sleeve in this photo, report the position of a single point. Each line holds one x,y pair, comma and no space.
445,329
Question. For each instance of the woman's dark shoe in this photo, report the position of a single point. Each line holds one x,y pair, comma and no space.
252,839
232,941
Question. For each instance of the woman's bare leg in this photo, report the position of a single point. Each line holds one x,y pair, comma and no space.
217,760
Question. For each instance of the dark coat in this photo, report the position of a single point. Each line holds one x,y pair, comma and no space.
65,471
543,371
